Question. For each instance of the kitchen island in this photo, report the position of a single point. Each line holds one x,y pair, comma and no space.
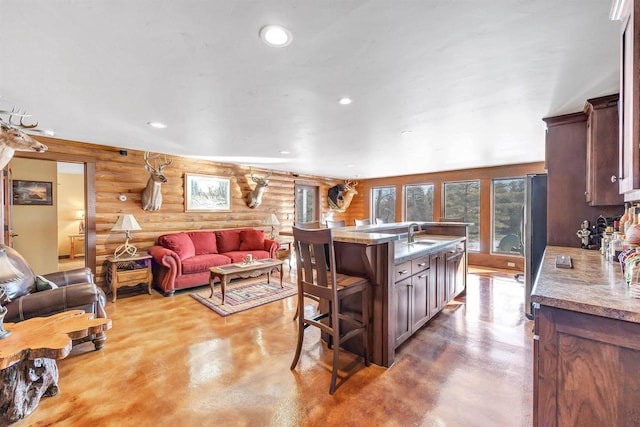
586,343
410,283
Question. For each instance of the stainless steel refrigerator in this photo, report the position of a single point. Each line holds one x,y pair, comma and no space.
535,232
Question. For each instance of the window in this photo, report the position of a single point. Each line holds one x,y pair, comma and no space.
418,202
462,200
383,203
306,207
508,205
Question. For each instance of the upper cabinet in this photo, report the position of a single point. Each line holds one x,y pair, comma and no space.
628,12
602,151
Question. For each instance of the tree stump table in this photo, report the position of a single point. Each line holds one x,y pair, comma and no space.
28,369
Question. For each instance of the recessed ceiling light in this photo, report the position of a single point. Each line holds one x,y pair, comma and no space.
284,152
275,36
344,101
351,166
406,132
157,125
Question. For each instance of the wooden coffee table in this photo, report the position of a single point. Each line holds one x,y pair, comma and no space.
28,369
255,269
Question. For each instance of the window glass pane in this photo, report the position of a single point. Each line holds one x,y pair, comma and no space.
462,200
383,203
418,202
508,205
306,203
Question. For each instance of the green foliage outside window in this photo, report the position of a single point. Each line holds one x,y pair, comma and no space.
462,200
419,202
508,203
383,203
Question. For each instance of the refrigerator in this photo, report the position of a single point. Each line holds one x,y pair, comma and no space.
535,232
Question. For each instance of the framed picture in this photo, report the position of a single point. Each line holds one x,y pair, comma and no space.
206,193
32,193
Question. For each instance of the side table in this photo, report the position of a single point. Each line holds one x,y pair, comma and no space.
129,271
284,251
72,244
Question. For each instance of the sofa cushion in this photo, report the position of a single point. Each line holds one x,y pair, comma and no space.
201,263
180,243
204,242
23,285
227,240
238,256
251,240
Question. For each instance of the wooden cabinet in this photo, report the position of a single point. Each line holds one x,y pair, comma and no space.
628,12
130,271
585,369
454,270
411,297
602,151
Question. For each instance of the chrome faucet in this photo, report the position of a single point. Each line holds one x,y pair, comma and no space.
411,237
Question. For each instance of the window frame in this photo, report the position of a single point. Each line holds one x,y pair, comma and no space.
404,199
492,250
372,201
443,208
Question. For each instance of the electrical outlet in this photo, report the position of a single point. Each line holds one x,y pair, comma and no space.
511,264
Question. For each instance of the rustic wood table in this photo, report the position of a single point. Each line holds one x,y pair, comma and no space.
255,269
28,369
129,271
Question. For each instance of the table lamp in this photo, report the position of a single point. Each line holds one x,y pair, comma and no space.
8,273
126,223
272,220
80,216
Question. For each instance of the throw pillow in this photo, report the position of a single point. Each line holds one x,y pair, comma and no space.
204,242
251,240
228,240
43,284
180,243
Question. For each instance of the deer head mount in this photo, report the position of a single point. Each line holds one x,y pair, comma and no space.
254,199
12,139
339,196
151,195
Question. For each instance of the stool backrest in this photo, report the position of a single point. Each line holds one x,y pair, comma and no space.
362,221
314,249
334,224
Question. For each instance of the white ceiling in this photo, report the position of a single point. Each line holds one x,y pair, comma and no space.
470,79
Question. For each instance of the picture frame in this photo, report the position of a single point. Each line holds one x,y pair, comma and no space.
32,192
206,193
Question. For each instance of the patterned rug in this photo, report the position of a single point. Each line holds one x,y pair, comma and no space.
242,295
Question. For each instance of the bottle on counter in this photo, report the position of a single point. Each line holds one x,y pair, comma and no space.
625,216
633,231
615,246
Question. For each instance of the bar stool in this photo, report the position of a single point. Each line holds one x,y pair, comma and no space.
315,281
334,224
362,221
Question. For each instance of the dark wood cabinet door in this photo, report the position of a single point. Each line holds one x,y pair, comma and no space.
602,151
587,370
420,312
403,296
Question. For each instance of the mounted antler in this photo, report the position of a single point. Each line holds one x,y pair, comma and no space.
340,195
12,139
151,195
254,199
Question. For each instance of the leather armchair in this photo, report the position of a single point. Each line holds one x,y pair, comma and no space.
76,291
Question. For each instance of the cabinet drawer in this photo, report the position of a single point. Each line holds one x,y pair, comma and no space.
420,264
402,271
130,275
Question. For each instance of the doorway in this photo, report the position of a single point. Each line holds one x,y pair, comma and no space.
45,227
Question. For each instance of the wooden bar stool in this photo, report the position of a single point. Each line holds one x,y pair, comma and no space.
316,281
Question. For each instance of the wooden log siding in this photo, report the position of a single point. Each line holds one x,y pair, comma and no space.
125,175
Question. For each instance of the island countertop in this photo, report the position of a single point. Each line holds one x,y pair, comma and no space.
593,286
381,233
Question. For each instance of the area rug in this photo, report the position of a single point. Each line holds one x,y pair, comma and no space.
243,295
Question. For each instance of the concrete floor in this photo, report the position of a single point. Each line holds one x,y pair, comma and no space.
174,362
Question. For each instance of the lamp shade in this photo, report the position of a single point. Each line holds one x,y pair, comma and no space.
271,219
126,223
8,273
79,214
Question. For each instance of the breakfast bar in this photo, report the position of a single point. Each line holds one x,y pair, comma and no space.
411,281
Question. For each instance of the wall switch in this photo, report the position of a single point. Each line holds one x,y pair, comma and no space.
511,264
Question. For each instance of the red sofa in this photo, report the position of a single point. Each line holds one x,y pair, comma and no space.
182,260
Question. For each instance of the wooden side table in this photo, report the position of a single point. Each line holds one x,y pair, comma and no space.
72,244
284,252
129,271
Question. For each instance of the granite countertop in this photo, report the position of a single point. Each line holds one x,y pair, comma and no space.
382,233
435,243
593,286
